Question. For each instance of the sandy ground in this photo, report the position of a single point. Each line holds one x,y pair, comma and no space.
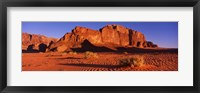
105,62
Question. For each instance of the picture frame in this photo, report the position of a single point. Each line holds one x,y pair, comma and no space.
101,3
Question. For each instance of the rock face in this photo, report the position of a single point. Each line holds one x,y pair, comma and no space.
122,36
115,34
74,39
110,35
34,42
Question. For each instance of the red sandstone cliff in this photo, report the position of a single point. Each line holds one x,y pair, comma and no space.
110,36
34,42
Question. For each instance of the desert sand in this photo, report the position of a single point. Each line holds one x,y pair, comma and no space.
105,61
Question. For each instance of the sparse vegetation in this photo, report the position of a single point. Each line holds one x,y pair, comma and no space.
104,62
89,54
23,65
63,54
49,55
134,61
72,53
29,65
64,51
125,53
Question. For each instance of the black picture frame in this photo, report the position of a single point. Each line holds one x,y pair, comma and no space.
98,3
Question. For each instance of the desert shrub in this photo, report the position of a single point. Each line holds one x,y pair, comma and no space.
125,52
72,53
63,54
52,54
89,54
49,55
64,51
134,61
29,65
23,65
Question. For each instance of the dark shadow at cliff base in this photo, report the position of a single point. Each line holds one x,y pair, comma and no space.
140,50
42,47
31,48
25,51
87,46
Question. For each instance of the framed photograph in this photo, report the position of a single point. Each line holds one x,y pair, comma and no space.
133,46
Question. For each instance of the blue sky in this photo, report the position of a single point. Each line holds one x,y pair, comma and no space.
165,34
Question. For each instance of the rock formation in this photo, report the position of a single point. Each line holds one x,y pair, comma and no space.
109,36
34,42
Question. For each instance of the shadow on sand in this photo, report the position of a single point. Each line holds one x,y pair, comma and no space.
68,58
91,65
140,50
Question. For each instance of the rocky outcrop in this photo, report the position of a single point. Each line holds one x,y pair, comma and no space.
74,39
34,42
110,35
150,44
